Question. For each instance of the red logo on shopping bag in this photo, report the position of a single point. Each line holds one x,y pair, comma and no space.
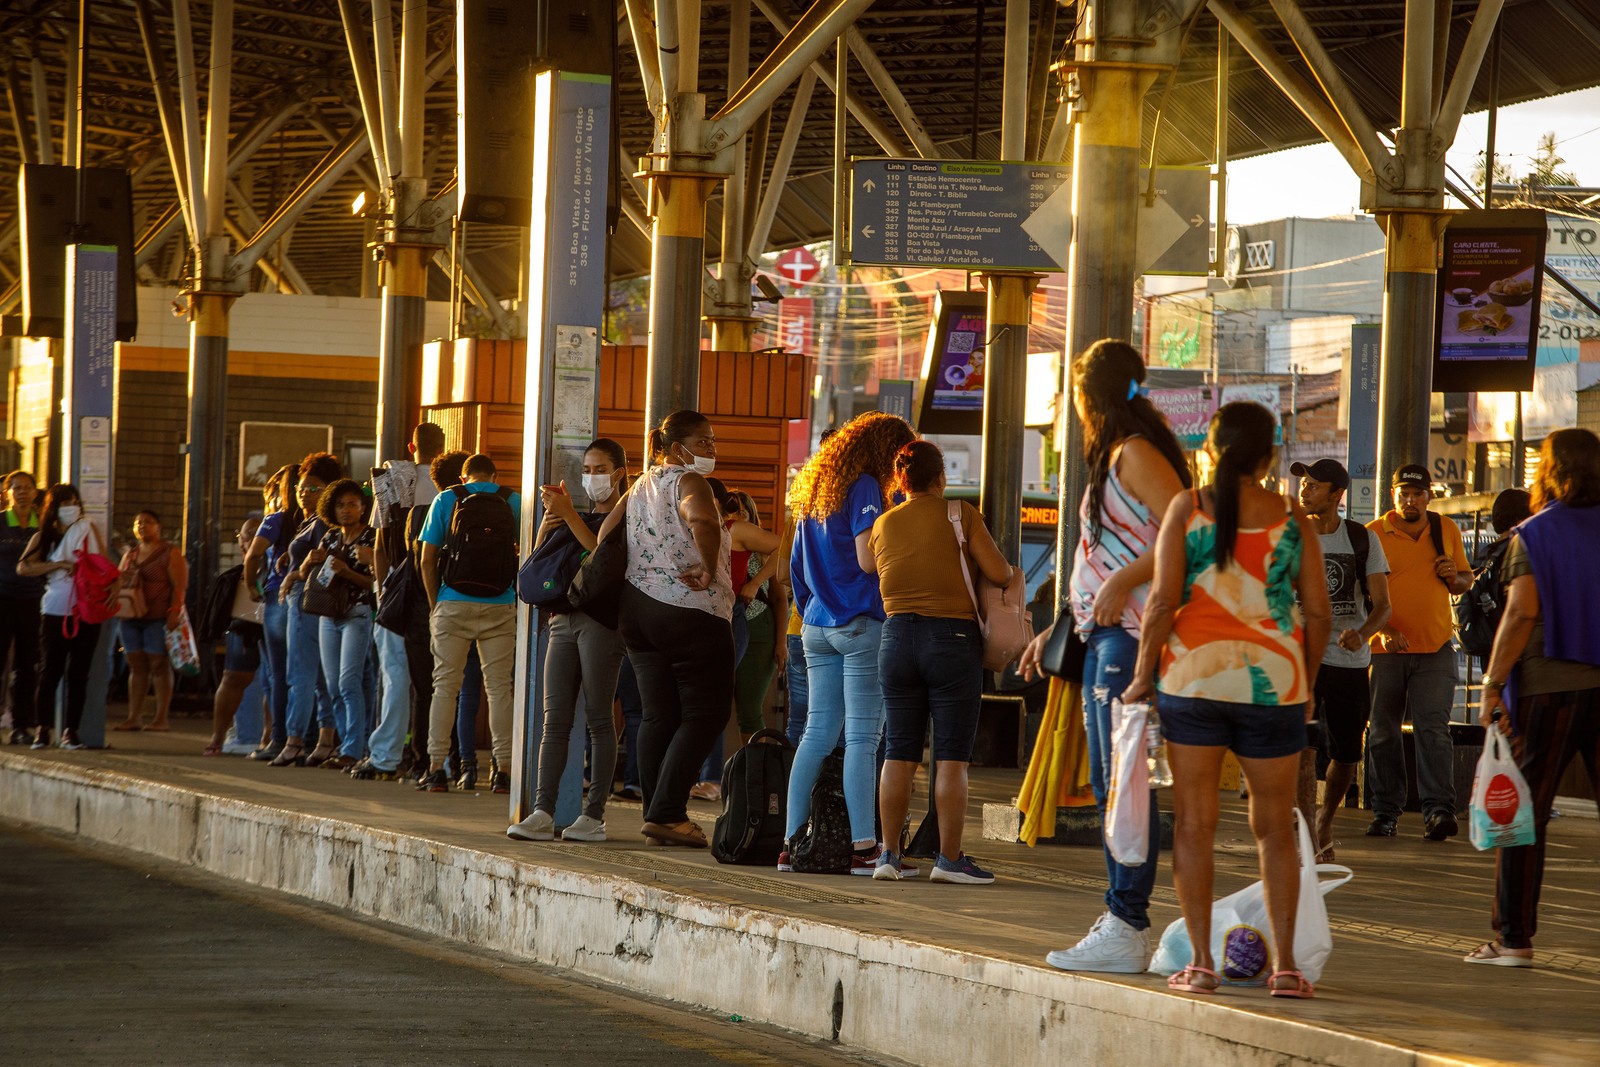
1500,800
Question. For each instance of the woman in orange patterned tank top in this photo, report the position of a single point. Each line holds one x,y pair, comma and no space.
1237,659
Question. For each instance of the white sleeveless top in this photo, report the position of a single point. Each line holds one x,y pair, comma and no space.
660,546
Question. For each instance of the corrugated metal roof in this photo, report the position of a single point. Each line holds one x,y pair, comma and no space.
295,49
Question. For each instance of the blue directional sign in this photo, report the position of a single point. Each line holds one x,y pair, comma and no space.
978,214
949,213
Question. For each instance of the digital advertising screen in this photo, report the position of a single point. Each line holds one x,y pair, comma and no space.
953,364
1487,322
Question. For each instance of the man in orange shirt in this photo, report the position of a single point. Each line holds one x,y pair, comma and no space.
1414,662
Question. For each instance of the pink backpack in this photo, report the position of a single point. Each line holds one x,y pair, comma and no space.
95,581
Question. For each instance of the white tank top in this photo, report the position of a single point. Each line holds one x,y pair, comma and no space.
660,546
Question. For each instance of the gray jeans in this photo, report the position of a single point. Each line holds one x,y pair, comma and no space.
581,659
1423,684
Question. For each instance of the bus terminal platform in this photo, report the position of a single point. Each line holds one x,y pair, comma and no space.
902,971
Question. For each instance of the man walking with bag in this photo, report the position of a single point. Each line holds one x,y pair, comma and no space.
1413,662
469,568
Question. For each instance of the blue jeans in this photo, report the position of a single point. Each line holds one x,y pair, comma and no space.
842,669
308,692
1107,670
394,708
467,704
632,715
799,688
275,653
345,643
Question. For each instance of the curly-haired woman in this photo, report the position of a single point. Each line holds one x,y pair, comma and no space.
345,551
835,500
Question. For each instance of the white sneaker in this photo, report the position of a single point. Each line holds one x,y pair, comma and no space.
1111,946
540,826
585,829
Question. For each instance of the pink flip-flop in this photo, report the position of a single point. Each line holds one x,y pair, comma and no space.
1303,990
1184,980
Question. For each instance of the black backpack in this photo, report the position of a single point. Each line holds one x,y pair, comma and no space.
1478,610
216,614
545,575
403,603
1361,547
481,546
755,791
824,845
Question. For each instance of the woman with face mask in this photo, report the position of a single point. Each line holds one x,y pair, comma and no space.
52,554
19,604
676,605
161,573
582,658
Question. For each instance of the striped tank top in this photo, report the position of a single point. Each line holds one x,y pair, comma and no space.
1127,531
1237,635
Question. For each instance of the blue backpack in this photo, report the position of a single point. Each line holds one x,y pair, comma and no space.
544,576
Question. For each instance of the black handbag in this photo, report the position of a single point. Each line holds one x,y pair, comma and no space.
1063,654
327,594
596,589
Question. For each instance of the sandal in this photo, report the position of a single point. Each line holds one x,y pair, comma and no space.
1194,979
338,763
1325,856
291,756
213,749
1301,990
318,756
1497,955
683,833
128,726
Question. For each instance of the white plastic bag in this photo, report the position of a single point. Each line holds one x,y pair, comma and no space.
1128,802
1241,933
1502,808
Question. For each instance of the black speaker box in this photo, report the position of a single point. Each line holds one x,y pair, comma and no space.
500,43
49,198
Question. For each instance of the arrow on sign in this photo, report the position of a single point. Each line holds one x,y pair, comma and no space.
1197,221
869,185
867,231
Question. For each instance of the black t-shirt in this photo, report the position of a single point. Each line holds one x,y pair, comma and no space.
14,537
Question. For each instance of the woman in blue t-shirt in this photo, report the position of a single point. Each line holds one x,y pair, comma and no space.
834,502
265,562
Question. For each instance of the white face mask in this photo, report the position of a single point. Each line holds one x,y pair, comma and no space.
703,465
69,514
598,487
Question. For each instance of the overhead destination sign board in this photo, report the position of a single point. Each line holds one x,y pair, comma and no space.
949,213
986,215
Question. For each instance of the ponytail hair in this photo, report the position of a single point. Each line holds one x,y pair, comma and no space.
1240,440
674,429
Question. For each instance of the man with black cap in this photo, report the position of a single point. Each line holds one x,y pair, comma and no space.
1413,663
1358,591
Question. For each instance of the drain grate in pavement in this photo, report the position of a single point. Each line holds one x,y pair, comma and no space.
801,887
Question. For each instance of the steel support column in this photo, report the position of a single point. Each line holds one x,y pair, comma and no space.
208,399
405,298
1405,384
1100,266
677,257
732,320
1005,366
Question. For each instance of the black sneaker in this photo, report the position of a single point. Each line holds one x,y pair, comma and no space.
367,771
468,781
1440,825
500,782
41,739
436,782
20,736
1382,826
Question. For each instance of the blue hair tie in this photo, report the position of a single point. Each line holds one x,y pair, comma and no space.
1135,389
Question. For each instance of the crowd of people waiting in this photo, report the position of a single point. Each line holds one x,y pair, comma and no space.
1244,616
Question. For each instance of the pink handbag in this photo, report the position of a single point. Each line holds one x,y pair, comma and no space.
1002,610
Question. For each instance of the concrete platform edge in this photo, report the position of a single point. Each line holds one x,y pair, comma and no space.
764,965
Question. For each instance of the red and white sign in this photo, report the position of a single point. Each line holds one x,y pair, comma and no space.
797,266
796,317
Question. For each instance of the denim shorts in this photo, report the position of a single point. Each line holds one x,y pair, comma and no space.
930,668
243,653
144,635
1253,731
